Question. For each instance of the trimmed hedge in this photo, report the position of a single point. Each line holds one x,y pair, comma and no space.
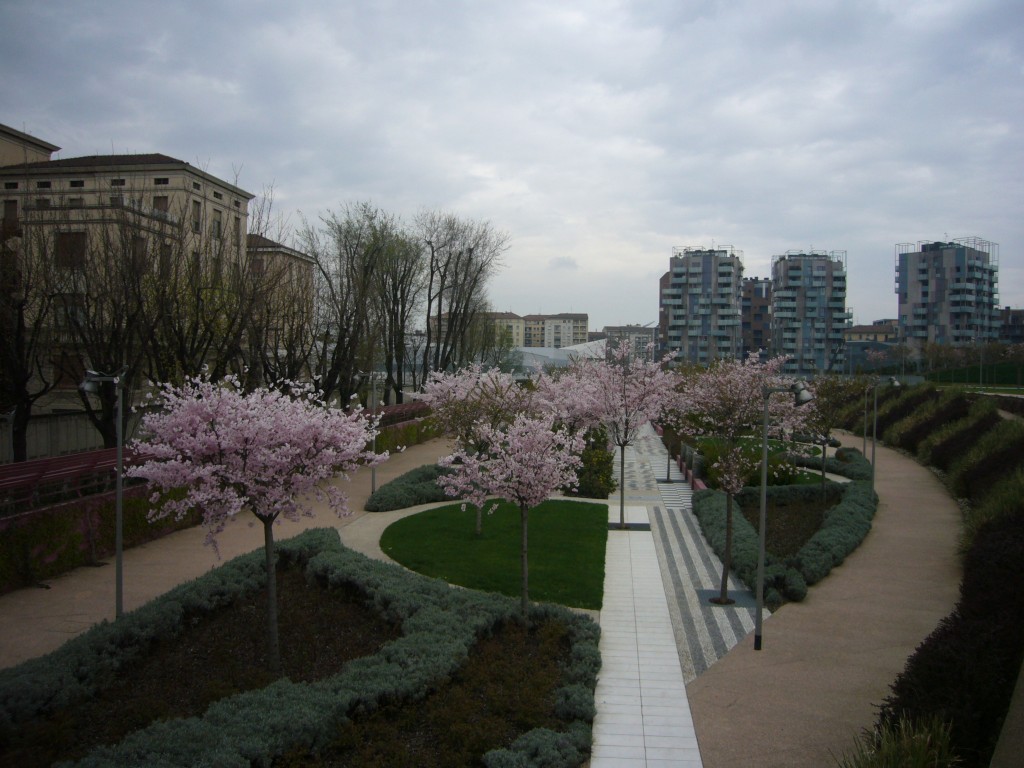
841,532
995,455
848,462
907,433
965,671
417,486
943,447
439,626
44,543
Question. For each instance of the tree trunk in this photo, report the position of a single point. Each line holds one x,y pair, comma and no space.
524,514
824,461
622,486
273,644
723,595
479,521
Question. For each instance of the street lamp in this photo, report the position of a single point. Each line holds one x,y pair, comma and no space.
891,381
801,395
90,386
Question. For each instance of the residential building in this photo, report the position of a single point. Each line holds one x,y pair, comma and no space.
639,338
865,345
756,315
510,326
948,292
555,331
809,311
699,304
1011,325
147,211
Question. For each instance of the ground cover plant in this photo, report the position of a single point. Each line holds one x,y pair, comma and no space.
566,549
960,679
437,629
417,486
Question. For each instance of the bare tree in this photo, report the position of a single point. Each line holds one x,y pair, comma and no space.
26,312
398,287
347,249
462,256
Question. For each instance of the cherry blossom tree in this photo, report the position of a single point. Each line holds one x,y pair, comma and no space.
264,451
472,402
625,392
523,462
727,401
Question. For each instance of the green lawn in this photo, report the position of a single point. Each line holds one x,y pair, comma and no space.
566,549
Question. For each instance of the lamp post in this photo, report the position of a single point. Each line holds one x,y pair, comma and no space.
891,381
91,385
801,395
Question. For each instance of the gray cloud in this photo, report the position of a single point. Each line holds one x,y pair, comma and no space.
597,134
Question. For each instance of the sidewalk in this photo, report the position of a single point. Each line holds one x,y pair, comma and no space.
828,662
36,621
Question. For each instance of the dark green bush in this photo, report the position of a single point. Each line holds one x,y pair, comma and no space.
47,542
841,532
848,462
597,475
994,456
1005,497
965,671
843,529
439,627
898,403
418,486
944,446
950,405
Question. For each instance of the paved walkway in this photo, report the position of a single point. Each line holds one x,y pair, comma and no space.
826,663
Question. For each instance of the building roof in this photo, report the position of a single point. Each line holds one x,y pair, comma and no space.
25,138
112,163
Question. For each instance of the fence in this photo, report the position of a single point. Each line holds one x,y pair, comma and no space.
57,434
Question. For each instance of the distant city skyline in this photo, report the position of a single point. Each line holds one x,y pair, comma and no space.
599,136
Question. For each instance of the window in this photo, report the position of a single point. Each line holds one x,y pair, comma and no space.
70,252
160,203
197,216
10,212
117,182
42,202
76,183
10,185
162,181
238,232
42,185
237,204
196,185
76,202
117,200
218,196
217,223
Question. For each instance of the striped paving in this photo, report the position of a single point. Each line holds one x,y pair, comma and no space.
658,629
691,571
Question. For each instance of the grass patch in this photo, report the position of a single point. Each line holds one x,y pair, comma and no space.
566,549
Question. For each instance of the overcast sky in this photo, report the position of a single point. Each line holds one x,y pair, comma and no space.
597,134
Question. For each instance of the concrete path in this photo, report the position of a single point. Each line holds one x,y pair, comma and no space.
35,621
828,662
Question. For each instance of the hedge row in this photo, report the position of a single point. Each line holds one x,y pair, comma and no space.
45,543
417,486
439,626
964,673
842,531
